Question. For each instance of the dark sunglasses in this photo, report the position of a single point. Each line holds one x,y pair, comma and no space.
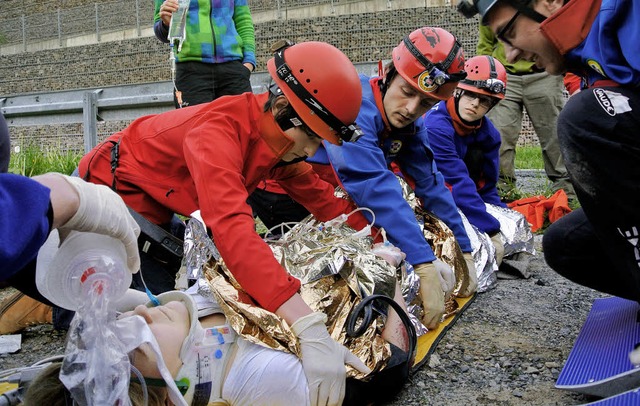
501,34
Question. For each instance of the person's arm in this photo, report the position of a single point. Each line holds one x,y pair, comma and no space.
490,139
244,27
64,198
487,41
25,221
33,207
87,207
362,170
222,197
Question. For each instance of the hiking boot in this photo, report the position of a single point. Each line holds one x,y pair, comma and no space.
19,311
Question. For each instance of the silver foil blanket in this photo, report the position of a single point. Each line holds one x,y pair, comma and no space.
337,270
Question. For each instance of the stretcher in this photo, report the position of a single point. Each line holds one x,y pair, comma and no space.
428,342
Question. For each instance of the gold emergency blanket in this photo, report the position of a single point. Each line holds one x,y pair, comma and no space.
443,243
336,268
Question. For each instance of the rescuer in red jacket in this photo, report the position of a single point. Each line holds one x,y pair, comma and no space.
211,157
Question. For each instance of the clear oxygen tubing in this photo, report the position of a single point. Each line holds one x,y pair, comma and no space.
176,36
331,223
172,66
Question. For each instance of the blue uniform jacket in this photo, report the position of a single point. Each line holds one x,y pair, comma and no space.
450,148
363,169
24,223
610,50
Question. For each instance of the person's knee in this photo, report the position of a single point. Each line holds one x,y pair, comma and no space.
553,247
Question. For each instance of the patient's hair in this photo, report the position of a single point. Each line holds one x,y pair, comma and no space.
47,389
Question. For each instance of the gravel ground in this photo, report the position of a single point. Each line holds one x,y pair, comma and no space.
507,348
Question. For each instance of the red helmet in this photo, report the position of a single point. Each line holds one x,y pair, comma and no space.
322,86
485,75
431,59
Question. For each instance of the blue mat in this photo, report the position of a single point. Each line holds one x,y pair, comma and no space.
631,398
599,361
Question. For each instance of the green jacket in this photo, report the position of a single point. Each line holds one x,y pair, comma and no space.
214,34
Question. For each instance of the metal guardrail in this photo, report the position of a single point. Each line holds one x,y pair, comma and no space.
88,106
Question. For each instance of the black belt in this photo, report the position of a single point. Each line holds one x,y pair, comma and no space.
157,242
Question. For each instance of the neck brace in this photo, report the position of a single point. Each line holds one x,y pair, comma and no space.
204,355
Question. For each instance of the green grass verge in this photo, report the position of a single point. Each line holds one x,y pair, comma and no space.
31,160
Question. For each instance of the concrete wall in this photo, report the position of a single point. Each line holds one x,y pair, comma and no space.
85,63
366,31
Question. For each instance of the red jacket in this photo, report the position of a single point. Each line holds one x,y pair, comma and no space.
211,157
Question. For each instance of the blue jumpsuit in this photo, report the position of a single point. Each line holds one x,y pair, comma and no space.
363,170
451,144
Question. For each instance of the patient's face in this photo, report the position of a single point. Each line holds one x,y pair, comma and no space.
170,324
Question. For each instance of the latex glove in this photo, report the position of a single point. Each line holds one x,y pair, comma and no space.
389,252
496,239
102,211
431,293
323,360
447,277
472,275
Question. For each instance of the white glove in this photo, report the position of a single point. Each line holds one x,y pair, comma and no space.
102,211
499,245
389,252
323,360
431,293
472,275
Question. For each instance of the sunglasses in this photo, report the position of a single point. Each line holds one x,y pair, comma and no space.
484,101
505,30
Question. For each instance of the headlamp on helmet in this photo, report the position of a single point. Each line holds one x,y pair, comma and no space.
485,75
495,86
435,74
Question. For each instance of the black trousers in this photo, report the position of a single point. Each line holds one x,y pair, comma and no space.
598,246
204,82
275,208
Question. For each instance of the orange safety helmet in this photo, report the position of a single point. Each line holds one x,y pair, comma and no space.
322,86
485,75
431,60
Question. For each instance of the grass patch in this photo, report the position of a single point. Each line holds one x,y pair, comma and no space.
529,158
31,159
